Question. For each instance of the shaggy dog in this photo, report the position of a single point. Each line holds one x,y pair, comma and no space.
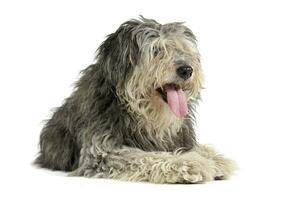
131,116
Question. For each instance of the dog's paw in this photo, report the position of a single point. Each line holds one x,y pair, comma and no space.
190,169
197,172
224,167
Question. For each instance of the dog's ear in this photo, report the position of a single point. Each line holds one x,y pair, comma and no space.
119,53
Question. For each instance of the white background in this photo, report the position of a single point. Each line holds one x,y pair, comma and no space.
251,109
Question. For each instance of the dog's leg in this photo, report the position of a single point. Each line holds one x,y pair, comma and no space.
158,167
224,166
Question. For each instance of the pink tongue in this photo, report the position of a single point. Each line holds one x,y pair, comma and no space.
177,101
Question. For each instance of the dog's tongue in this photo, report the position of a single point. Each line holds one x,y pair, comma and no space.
176,100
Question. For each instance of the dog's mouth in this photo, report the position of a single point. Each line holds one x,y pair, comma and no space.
175,97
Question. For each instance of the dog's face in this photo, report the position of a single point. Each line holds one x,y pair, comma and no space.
160,70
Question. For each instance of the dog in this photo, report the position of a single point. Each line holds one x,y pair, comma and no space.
131,114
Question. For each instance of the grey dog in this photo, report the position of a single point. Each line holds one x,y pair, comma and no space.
131,114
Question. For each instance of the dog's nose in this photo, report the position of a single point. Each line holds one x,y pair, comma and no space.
185,72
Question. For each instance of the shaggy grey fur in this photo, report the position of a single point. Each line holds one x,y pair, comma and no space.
94,134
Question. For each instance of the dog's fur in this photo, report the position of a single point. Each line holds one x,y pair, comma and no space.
116,124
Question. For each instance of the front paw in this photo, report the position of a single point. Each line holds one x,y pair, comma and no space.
224,167
191,169
196,172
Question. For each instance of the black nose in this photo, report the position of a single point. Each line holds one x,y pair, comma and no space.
184,72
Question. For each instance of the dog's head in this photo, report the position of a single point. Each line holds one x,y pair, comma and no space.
155,69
